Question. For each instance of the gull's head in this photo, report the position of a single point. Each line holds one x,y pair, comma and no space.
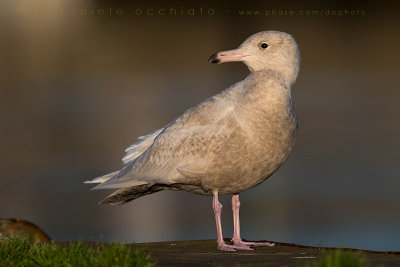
268,50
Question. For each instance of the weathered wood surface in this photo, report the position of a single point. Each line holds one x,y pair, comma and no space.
205,253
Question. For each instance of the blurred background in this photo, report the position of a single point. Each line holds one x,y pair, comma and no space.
81,80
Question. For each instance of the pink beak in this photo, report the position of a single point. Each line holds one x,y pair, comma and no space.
226,56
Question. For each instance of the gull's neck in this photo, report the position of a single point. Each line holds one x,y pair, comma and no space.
287,73
286,79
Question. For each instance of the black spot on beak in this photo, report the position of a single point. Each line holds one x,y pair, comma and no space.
214,59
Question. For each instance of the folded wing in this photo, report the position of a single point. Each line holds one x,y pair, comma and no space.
182,149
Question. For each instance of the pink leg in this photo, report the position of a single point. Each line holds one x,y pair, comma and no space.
236,227
220,240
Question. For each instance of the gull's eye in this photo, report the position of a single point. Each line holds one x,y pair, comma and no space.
264,45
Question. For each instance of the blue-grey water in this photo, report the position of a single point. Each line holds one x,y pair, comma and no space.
76,91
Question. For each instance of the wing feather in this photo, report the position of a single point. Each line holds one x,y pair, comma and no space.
143,143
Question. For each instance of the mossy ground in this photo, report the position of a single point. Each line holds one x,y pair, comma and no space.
18,251
340,258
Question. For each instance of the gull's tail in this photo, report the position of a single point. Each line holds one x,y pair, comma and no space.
127,194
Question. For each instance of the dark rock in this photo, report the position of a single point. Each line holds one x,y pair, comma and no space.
11,227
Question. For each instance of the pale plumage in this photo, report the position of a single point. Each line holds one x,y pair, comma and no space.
227,143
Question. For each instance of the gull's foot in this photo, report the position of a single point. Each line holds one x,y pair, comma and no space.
226,247
254,244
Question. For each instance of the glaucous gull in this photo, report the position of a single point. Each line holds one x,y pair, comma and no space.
228,143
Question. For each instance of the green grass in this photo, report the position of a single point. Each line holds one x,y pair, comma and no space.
340,258
17,251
